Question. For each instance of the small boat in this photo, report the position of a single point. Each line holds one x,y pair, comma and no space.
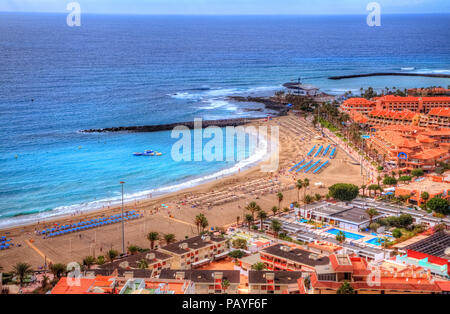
148,151
137,154
158,154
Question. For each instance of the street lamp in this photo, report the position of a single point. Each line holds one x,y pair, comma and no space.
123,227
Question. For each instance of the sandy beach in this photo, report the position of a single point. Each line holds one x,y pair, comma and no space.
221,201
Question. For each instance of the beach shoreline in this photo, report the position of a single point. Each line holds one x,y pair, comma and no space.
175,212
153,195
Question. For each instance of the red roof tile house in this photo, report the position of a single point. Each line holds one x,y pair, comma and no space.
361,105
368,280
415,104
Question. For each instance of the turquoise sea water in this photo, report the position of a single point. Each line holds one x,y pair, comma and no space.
132,70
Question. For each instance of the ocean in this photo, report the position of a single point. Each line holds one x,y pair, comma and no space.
118,70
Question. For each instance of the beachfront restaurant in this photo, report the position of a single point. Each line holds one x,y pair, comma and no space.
339,215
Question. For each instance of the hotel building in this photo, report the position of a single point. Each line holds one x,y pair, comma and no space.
414,104
207,281
116,285
273,282
156,261
360,105
370,279
196,251
423,148
283,257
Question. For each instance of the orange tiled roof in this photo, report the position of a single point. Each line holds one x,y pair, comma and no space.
441,112
392,98
357,116
407,282
337,267
425,139
399,115
64,287
431,99
443,285
433,153
359,101
440,132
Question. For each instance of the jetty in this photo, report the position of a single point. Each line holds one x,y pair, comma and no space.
167,127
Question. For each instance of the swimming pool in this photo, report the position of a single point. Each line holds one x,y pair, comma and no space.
375,241
348,235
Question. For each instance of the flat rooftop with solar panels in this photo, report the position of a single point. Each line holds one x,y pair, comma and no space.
436,245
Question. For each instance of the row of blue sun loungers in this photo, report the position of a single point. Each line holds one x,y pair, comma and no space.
313,165
57,231
320,167
304,166
333,152
318,151
311,151
5,243
295,166
326,150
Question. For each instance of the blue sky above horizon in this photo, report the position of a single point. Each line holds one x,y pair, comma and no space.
229,7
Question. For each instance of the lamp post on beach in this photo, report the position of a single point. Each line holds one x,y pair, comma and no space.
123,227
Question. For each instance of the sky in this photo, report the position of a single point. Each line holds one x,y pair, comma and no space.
228,7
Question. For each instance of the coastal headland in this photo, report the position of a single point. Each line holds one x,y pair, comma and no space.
277,106
170,126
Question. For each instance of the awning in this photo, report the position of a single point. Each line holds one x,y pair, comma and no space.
202,262
221,255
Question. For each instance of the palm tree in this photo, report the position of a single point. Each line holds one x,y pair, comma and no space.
143,264
237,220
276,227
88,261
363,188
44,281
133,249
345,288
201,222
425,196
252,207
340,237
372,212
58,270
249,219
274,210
305,186
317,197
169,238
112,254
198,221
259,266
204,223
225,284
262,215
308,199
22,270
152,237
280,199
385,243
299,186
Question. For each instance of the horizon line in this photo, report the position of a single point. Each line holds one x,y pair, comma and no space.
224,14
